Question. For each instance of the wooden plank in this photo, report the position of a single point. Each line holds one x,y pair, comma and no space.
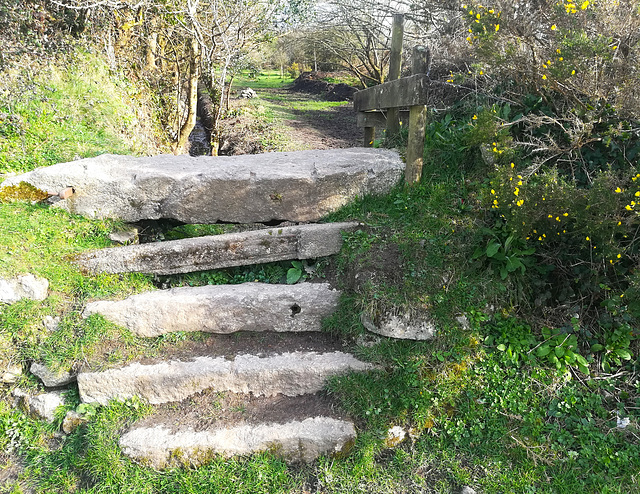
395,63
378,118
369,136
408,91
417,121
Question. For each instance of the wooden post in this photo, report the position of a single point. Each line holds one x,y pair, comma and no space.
369,136
395,64
417,121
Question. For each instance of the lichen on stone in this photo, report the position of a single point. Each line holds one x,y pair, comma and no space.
22,192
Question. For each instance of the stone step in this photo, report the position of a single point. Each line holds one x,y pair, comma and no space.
190,432
292,186
220,251
222,309
290,373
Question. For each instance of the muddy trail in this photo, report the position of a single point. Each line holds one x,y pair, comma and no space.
282,119
327,127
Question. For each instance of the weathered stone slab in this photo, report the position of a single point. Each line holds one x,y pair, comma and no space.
400,326
222,309
296,441
27,286
292,186
50,378
42,406
220,251
290,374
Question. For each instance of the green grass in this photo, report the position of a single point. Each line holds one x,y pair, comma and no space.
483,408
50,115
266,79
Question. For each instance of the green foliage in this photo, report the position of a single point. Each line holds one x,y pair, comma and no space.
58,115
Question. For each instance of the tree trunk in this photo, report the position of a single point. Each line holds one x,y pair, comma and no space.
192,100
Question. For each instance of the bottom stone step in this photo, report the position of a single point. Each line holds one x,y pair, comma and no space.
192,431
294,441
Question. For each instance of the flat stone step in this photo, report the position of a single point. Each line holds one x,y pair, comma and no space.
190,432
222,309
220,251
292,186
290,373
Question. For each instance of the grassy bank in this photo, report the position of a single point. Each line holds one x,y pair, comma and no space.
484,404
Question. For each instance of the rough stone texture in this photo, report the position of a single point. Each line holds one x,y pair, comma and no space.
291,374
42,406
26,286
303,440
292,186
72,420
50,378
395,435
402,327
51,324
11,374
126,236
220,251
222,309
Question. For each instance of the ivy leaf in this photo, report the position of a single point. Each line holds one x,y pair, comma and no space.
501,347
293,275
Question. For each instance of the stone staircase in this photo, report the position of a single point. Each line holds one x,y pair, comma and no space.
256,383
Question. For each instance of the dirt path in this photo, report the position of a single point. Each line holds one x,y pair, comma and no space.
284,120
312,123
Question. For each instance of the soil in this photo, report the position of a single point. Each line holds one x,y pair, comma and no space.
329,128
263,344
213,409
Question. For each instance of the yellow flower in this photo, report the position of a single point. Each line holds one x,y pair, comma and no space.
516,191
619,223
619,256
540,238
573,72
588,239
477,16
513,166
618,190
628,208
497,27
554,27
561,59
495,202
550,216
481,72
557,218
475,117
520,203
464,7
565,214
544,77
520,182
637,194
584,5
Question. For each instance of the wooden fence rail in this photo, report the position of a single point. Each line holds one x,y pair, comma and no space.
380,105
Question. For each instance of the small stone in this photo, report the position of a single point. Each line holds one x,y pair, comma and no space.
463,322
51,324
127,236
42,406
11,374
66,193
50,378
72,421
467,490
26,286
248,93
403,327
395,435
